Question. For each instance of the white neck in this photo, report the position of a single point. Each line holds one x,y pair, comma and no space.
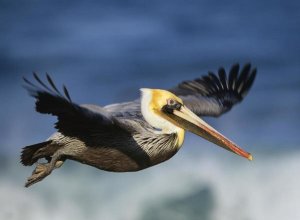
153,119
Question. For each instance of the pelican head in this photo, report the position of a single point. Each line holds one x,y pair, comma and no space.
166,112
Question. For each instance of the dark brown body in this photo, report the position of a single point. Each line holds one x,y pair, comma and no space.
129,154
116,154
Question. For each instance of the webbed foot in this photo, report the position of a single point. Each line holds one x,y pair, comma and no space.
39,173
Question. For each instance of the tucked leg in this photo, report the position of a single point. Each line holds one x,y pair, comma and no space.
44,169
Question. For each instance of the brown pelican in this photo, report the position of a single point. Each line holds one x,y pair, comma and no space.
134,135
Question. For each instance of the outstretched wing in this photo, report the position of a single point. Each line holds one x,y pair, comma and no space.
73,120
213,95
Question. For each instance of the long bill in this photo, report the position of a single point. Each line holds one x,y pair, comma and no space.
187,120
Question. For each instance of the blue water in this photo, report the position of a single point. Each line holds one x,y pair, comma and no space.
104,51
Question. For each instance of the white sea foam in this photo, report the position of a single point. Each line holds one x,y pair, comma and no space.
266,188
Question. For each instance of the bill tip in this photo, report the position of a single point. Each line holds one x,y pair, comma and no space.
250,157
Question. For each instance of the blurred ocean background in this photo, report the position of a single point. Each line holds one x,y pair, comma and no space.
104,51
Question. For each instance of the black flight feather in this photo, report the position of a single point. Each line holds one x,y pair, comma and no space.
213,95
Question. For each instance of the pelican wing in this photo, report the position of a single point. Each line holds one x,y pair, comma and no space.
126,109
212,94
73,120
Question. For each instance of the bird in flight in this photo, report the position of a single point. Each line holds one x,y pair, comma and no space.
134,135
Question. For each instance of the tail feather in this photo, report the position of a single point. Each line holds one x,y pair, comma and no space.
28,153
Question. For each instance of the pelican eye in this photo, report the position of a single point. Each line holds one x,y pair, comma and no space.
173,104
